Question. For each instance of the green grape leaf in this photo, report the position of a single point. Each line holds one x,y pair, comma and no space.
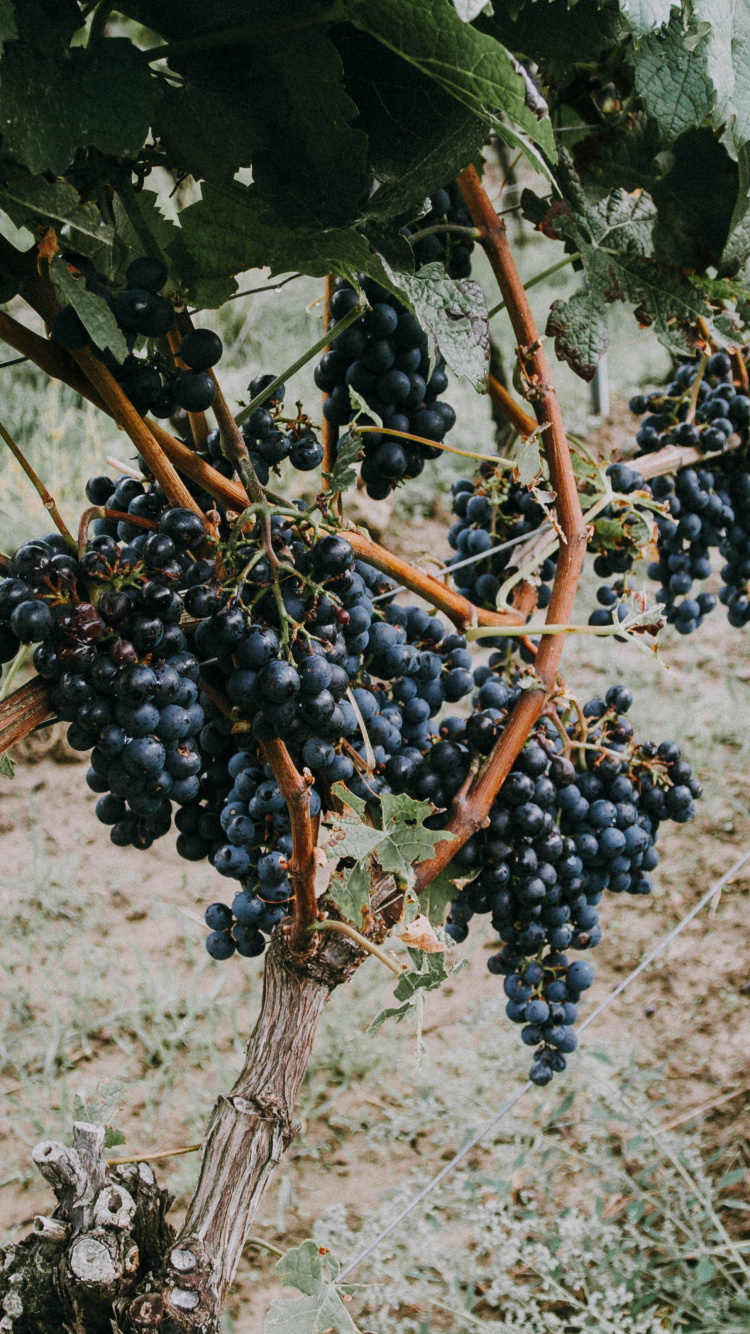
672,81
579,328
397,1012
644,15
93,310
472,66
97,96
204,128
343,475
29,199
231,229
419,135
437,163
350,891
320,1310
401,844
428,974
614,236
434,900
359,841
406,842
355,804
452,314
113,1137
154,234
6,765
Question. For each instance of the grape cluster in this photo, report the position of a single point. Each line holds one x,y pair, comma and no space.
450,249
108,636
705,508
267,443
563,828
384,360
720,409
152,384
491,512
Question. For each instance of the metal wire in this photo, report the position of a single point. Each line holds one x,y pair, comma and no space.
508,1106
471,560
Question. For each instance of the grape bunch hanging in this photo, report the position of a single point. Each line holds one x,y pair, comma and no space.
178,648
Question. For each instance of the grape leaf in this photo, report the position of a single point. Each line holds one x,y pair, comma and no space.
428,974
614,235
406,840
97,96
397,1012
96,315
26,198
452,314
472,66
350,892
128,243
438,162
528,459
672,81
434,900
579,328
419,136
402,843
355,804
468,10
232,229
645,15
313,1272
6,765
344,475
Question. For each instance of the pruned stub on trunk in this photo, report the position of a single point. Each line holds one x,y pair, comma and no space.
106,1258
82,1265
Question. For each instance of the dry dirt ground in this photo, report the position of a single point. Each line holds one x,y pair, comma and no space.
104,978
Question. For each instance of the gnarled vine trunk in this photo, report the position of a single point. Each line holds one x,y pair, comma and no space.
107,1257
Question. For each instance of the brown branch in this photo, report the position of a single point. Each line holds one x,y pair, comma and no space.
472,812
296,793
328,433
136,428
22,711
515,414
673,457
458,608
48,500
53,360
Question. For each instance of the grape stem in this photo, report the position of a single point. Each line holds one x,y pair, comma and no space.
328,432
344,929
473,233
438,444
470,813
198,423
355,313
47,500
539,278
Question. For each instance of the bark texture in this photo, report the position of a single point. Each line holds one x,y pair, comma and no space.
106,1258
